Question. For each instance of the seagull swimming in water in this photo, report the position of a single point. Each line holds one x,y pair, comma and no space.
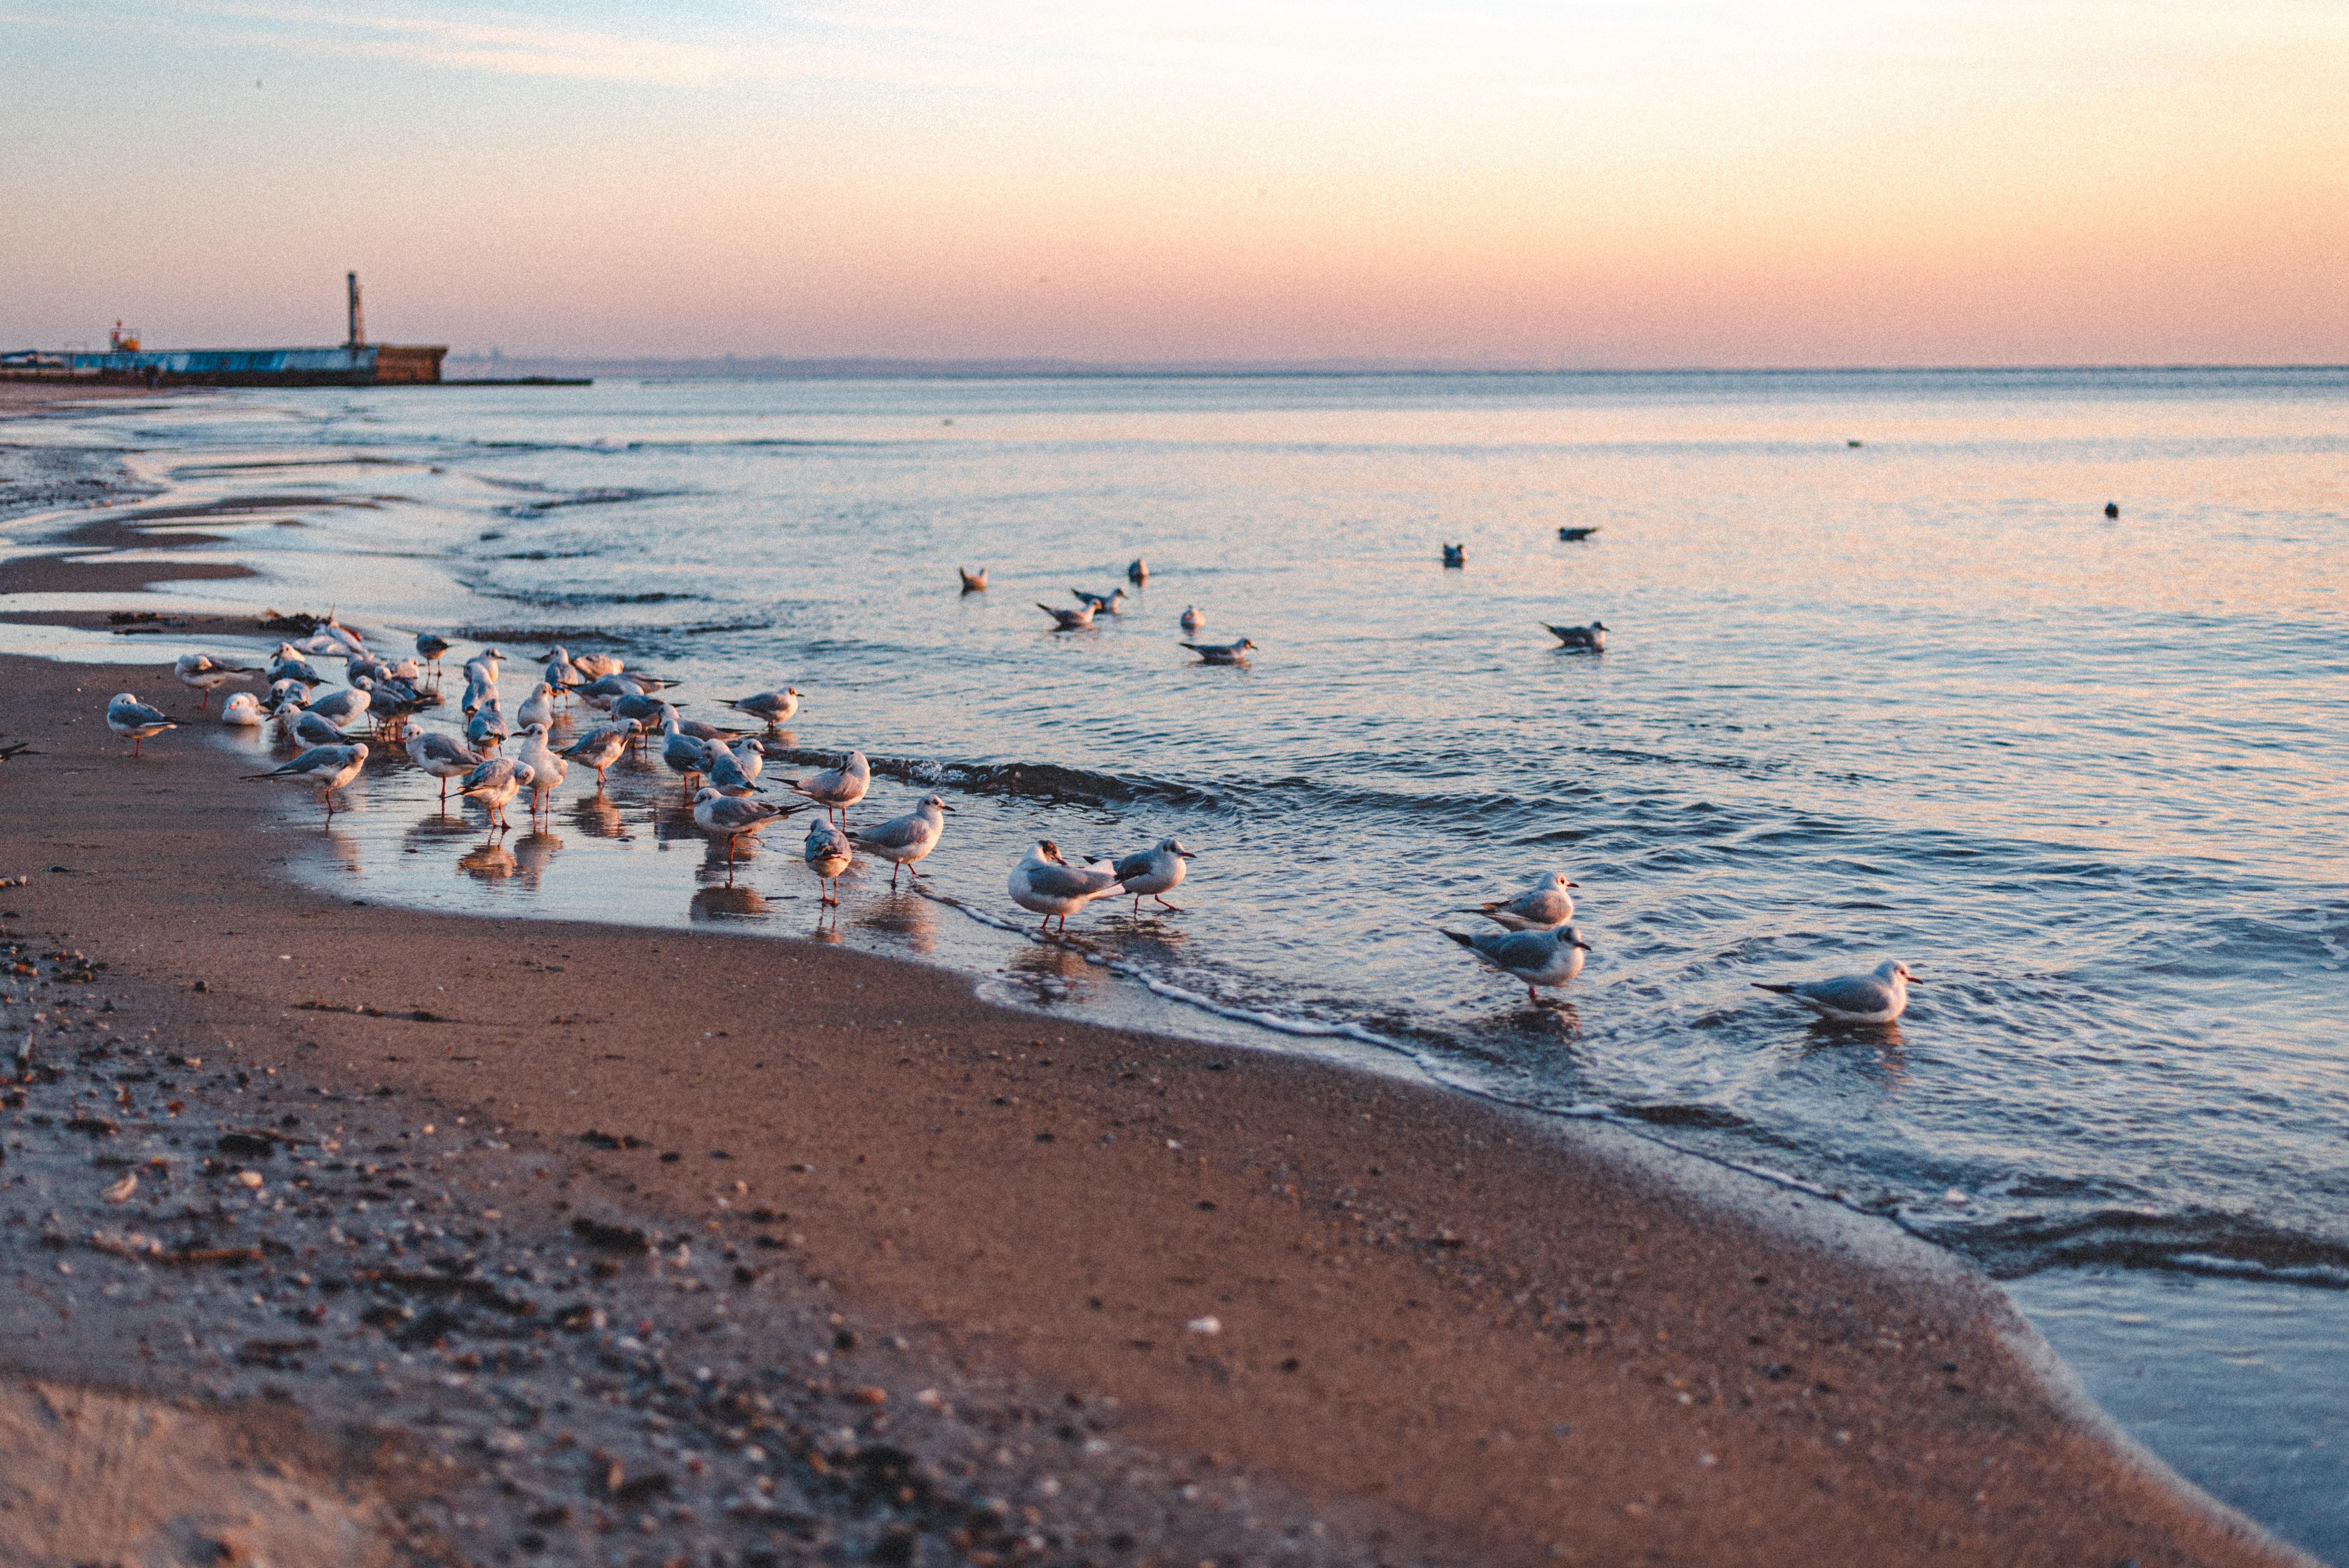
972,583
1545,907
1046,884
135,721
902,840
1531,958
1223,653
1070,620
1103,604
1154,873
1592,637
1877,998
1192,619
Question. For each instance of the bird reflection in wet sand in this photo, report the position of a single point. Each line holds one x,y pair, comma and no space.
726,902
596,817
490,863
534,851
345,849
1052,974
912,921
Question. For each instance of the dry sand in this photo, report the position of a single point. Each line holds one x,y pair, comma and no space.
1440,1331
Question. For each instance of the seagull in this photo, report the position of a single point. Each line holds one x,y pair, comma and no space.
1070,620
442,756
203,671
972,583
546,770
686,756
699,730
285,664
775,707
838,789
902,840
750,755
496,781
489,729
601,746
1456,555
828,854
1573,534
1103,604
343,708
484,664
716,813
651,710
1154,873
595,666
1223,653
429,648
727,774
134,721
2112,509
537,709
1192,619
1593,636
600,691
1877,998
561,674
311,729
477,692
284,695
1138,573
1545,907
1048,885
243,710
1532,957
328,766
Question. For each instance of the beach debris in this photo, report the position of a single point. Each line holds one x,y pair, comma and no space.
1207,1325
17,749
610,1238
1587,639
120,1192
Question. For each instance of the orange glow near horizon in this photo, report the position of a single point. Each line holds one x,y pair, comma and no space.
1554,185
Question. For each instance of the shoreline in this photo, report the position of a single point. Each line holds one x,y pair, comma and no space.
1444,1331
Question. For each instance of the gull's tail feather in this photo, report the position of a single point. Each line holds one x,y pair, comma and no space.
1467,942
1781,990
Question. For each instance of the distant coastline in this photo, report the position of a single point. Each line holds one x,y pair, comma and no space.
775,368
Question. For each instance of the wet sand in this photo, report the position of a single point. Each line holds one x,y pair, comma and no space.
1365,1319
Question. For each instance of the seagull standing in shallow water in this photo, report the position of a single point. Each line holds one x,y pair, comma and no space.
1545,907
828,853
205,673
1530,957
716,813
328,766
1877,998
601,746
496,781
775,707
902,840
1049,885
1154,873
135,721
442,756
837,789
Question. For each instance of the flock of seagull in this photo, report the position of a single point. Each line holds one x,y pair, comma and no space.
1536,942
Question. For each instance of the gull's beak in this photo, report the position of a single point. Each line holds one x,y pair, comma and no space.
1574,884
1586,947
943,807
1186,854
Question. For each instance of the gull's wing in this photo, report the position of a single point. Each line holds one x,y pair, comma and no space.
1847,993
896,834
1065,882
1136,865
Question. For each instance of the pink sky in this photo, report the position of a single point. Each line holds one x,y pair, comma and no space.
1523,183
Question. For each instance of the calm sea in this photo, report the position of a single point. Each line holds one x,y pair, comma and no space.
1882,681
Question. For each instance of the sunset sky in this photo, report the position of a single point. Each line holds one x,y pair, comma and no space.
1877,182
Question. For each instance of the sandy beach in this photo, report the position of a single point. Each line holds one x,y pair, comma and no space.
350,1234
1104,1293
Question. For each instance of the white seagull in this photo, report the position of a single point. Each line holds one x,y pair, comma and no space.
1154,873
838,789
134,721
328,766
243,710
601,746
1223,653
1192,619
496,781
828,853
1531,957
442,756
1592,637
1046,884
902,840
775,707
1545,907
205,673
1069,620
547,770
716,813
1877,998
